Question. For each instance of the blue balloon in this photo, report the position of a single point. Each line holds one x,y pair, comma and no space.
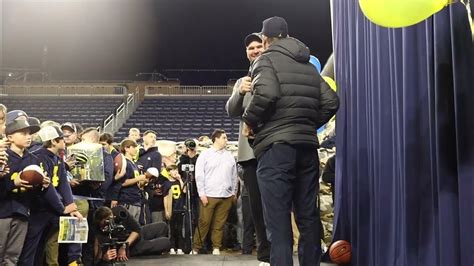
315,61
321,129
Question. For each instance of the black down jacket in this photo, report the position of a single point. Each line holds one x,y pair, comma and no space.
290,99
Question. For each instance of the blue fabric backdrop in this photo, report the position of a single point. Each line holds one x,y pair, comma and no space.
405,139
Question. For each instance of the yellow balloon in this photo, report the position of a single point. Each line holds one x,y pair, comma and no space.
330,82
400,13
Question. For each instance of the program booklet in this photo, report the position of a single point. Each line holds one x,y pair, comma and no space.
72,231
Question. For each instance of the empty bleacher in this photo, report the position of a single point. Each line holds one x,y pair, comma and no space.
179,118
85,110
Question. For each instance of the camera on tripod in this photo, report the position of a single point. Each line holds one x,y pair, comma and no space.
187,167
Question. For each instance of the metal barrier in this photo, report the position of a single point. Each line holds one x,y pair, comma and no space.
114,121
157,90
64,89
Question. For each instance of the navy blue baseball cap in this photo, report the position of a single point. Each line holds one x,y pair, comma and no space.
275,27
16,114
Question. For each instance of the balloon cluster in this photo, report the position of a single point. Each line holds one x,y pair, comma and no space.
315,62
332,84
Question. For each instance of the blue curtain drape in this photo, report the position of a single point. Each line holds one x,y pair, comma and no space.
405,139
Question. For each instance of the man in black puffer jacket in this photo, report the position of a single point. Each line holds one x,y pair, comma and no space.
290,101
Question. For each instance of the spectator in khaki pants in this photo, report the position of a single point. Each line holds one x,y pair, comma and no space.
216,180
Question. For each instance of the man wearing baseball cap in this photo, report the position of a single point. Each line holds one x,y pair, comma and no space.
70,133
290,101
235,107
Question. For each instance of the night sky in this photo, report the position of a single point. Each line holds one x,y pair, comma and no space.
115,39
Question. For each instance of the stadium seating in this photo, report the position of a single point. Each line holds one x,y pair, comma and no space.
179,118
87,111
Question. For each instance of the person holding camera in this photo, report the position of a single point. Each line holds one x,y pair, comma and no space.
118,236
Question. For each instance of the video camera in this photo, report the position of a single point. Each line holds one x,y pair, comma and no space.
113,225
112,228
187,167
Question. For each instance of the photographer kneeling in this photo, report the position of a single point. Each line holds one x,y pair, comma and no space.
118,236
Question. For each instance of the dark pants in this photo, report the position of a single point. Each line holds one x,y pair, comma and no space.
176,230
249,228
153,240
250,181
288,177
40,222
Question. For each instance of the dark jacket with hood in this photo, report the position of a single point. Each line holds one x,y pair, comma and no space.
149,158
290,99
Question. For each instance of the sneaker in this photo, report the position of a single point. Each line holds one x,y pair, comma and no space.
264,264
179,252
172,252
193,252
216,251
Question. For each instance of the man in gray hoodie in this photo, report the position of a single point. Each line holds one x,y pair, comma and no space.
235,108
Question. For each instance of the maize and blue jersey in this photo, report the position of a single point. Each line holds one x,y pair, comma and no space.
131,194
17,201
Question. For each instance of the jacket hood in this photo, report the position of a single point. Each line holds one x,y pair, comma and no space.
292,48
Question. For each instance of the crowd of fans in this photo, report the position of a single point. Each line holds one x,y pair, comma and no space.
151,205
140,198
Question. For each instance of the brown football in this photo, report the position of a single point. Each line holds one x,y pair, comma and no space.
120,163
33,174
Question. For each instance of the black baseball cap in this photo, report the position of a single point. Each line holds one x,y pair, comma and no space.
252,37
19,124
275,27
34,121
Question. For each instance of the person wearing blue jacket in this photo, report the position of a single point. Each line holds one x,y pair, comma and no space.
130,195
16,201
148,157
46,219
112,192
